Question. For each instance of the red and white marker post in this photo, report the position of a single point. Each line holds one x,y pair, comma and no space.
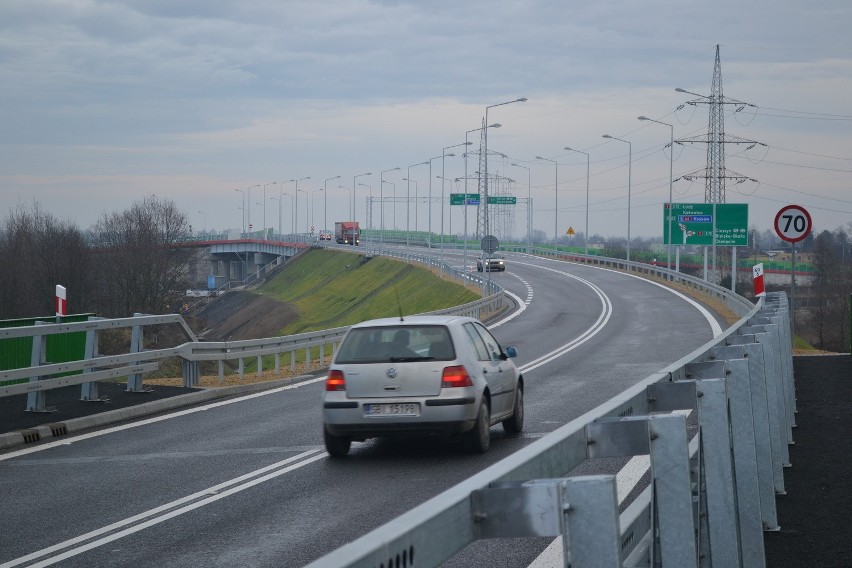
61,301
759,287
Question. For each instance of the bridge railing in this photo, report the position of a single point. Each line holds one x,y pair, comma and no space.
711,494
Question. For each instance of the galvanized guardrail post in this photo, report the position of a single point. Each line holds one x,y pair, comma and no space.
89,391
36,401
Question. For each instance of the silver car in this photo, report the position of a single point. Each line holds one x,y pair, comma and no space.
421,375
491,263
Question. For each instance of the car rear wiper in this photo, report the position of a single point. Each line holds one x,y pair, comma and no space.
409,359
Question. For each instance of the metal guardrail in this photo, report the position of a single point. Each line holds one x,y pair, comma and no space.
41,375
709,500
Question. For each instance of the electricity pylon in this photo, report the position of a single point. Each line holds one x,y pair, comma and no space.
715,174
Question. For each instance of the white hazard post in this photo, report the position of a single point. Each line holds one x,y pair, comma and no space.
759,288
61,302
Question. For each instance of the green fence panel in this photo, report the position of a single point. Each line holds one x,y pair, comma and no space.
16,353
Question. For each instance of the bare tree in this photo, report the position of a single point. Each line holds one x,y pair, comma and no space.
42,252
143,270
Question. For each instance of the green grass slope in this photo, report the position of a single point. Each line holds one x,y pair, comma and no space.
332,288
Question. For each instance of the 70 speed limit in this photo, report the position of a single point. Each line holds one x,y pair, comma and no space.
793,223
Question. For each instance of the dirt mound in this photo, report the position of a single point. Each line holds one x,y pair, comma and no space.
243,315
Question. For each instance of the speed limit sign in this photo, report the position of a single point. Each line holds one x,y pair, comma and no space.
793,223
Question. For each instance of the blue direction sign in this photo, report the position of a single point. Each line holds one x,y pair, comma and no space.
464,199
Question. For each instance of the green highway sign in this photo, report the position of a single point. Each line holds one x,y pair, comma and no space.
502,200
459,199
695,223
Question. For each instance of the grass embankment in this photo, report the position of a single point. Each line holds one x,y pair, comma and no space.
332,289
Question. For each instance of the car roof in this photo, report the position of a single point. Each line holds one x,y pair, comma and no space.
413,320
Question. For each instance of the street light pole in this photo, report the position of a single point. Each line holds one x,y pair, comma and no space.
408,204
529,205
381,199
430,194
278,199
248,213
354,184
669,208
587,194
555,200
325,205
264,206
629,169
485,181
443,198
369,213
243,208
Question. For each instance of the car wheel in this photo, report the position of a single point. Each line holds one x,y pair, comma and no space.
478,439
515,423
336,446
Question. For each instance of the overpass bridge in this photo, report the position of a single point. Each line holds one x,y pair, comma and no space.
238,259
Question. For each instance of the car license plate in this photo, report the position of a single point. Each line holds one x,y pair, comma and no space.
392,409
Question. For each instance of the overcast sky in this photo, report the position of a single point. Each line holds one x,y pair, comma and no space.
105,102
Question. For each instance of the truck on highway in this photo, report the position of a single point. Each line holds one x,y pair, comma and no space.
347,232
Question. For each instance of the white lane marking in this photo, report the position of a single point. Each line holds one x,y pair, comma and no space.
521,308
68,441
167,511
714,325
597,327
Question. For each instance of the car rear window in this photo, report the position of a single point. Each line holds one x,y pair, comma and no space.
396,344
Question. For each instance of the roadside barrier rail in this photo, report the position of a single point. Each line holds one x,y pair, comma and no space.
42,375
711,495
716,426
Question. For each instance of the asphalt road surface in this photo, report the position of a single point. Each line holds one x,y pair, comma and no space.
246,481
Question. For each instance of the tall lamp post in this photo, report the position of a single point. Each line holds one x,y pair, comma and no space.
408,204
485,181
587,194
529,204
369,213
325,205
243,208
443,198
264,206
307,221
430,192
295,215
278,199
555,199
354,185
248,212
669,208
382,200
629,169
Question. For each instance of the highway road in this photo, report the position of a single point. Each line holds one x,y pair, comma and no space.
246,481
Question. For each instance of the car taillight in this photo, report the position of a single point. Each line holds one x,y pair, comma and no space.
455,377
335,381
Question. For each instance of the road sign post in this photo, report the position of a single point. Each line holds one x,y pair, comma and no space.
793,223
706,224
